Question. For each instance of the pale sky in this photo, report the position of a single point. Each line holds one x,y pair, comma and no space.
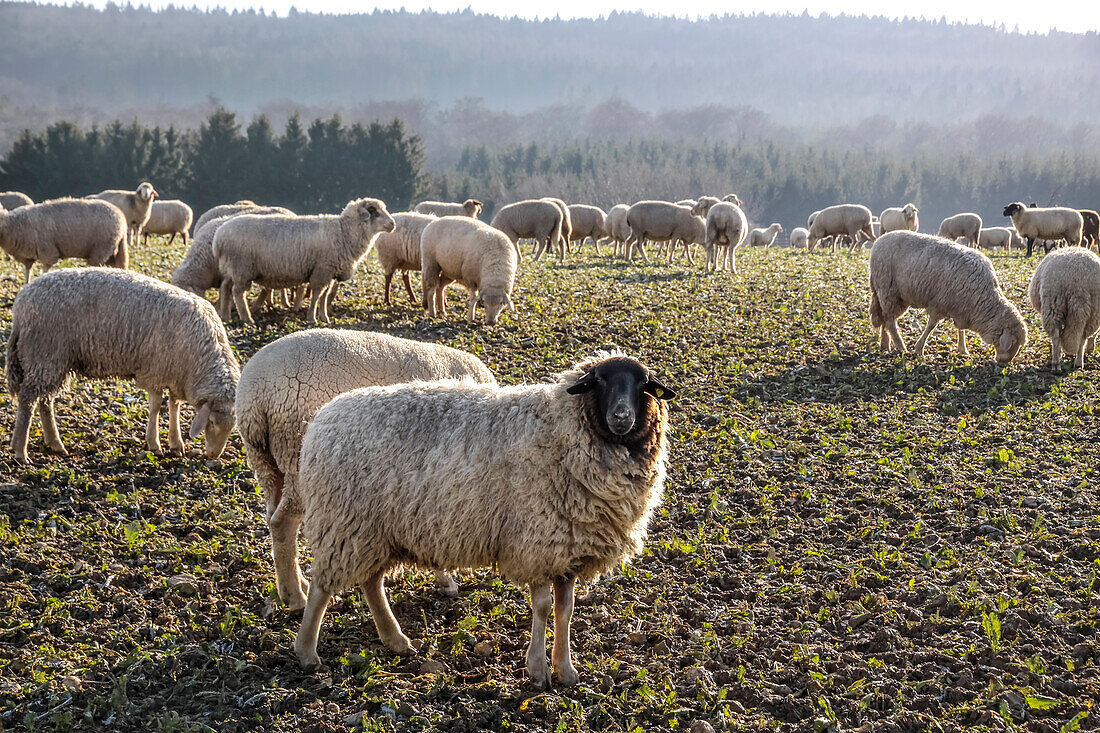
1075,16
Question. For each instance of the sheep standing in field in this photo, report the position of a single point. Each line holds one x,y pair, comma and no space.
1053,223
94,231
216,212
14,199
1065,290
912,270
199,270
469,207
1090,231
537,219
618,231
587,221
477,256
400,250
658,221
966,226
1004,237
104,323
800,237
727,228
764,237
283,386
566,229
134,205
288,251
900,217
547,484
168,217
848,220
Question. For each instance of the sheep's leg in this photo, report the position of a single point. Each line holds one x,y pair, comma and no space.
22,428
1090,344
225,300
542,600
387,280
318,286
175,437
445,583
239,302
305,644
389,631
27,267
152,430
963,351
1078,362
299,297
50,434
933,321
884,341
1056,351
408,286
330,296
471,306
261,301
891,326
284,297
441,296
596,244
687,251
563,612
289,580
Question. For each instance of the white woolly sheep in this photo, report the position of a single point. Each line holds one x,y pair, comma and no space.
283,386
618,231
734,199
727,229
658,221
469,207
536,219
800,237
465,251
1051,223
94,231
11,200
1065,290
912,270
216,212
104,323
587,221
168,217
850,220
1005,237
288,251
566,229
764,237
548,484
900,217
966,226
400,250
134,205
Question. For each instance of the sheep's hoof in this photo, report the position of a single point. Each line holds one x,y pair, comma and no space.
568,676
308,659
399,644
540,675
57,448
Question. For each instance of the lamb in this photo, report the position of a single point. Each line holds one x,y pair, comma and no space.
400,250
658,221
764,237
548,484
14,199
134,205
537,219
587,221
199,270
104,323
727,228
1005,237
287,251
1090,232
851,220
283,386
469,207
904,217
617,229
800,237
1065,290
912,270
1053,223
966,226
94,231
169,217
477,256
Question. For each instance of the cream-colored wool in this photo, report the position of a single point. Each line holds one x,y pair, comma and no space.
966,226
948,280
1049,223
469,207
199,270
169,217
617,228
478,257
847,220
14,199
658,221
536,219
1065,290
900,217
727,228
92,230
566,229
134,205
400,250
765,237
105,323
587,221
1004,237
800,238
239,207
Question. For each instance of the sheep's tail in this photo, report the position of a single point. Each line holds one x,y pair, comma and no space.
1065,315
13,368
875,307
257,449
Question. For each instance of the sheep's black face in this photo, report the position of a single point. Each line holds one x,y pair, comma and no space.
1012,209
619,383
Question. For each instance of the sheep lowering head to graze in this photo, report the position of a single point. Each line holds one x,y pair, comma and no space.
900,217
548,484
477,256
842,220
104,323
1051,223
967,226
92,230
537,219
288,251
658,221
800,237
587,221
948,280
469,207
400,250
1065,290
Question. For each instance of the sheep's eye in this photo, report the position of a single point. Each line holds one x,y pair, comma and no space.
371,210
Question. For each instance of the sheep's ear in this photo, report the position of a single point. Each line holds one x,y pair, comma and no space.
582,385
198,425
656,388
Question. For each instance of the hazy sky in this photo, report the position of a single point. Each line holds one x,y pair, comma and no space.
1076,16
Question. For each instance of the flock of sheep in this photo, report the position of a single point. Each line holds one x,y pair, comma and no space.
412,454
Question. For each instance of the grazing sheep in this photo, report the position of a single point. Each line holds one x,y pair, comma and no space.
288,251
469,207
472,254
727,228
14,199
548,484
104,323
764,237
697,235
566,229
400,250
617,229
134,205
1053,223
1005,237
283,386
658,221
537,219
199,270
912,270
966,226
587,221
851,220
94,231
1065,290
1090,232
800,237
169,217
903,217
216,212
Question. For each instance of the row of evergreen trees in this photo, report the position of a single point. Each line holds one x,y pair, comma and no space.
312,170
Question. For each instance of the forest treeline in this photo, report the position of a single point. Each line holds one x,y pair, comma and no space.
319,167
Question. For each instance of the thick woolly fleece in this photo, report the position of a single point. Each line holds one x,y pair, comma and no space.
90,229
1065,290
